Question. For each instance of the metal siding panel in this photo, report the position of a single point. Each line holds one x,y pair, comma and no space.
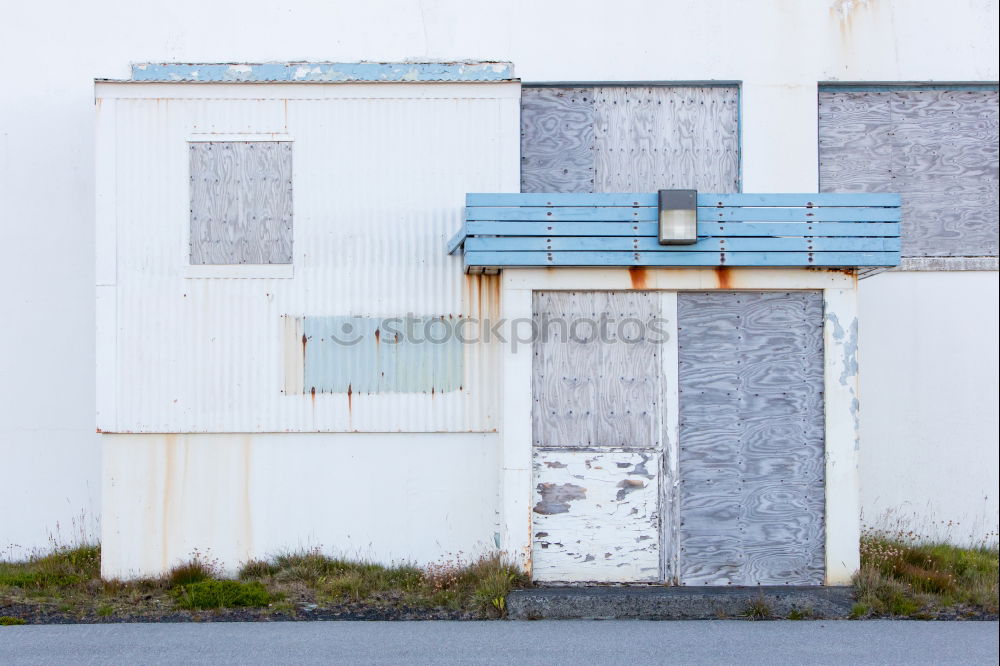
210,355
595,516
751,457
936,147
241,202
557,140
666,137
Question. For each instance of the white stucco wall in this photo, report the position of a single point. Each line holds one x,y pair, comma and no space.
49,455
928,353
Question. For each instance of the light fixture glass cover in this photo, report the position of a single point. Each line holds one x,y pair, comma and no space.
678,217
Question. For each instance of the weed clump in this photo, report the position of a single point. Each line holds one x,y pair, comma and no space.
757,609
210,594
10,621
193,571
903,574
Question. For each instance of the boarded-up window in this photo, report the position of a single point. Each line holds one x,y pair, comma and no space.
937,148
630,139
241,202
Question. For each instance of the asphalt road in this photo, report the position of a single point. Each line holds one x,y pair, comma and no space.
547,642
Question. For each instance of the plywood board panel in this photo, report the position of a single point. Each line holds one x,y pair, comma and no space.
938,148
751,455
595,516
595,379
241,202
557,140
666,137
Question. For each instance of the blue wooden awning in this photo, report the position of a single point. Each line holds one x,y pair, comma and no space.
620,229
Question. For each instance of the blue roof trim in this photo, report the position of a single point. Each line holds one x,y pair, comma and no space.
323,72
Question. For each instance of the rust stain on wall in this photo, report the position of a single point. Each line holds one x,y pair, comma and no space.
723,277
639,277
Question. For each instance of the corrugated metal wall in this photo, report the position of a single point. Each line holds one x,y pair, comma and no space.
378,188
938,148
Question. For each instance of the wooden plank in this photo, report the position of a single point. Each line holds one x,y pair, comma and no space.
241,202
705,199
800,214
651,244
807,199
763,229
938,147
561,199
751,459
564,213
610,214
595,516
499,259
649,138
457,241
557,140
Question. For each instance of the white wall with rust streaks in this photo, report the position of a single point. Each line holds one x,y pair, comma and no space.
382,497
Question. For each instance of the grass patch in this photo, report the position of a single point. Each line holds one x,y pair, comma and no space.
66,582
210,594
9,621
64,567
904,575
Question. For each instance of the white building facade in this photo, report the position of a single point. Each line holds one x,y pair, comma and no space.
200,459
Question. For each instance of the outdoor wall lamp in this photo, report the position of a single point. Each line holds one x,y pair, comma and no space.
678,217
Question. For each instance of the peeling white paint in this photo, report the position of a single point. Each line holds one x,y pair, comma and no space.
595,516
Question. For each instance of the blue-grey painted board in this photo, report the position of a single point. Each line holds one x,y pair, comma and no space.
652,244
646,213
937,147
322,72
557,140
705,199
751,424
609,259
382,354
859,229
241,202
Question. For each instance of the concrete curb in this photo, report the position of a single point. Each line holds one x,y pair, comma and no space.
677,603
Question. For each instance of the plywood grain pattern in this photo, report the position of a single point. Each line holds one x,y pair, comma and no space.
595,516
751,457
666,137
241,202
557,140
936,147
592,388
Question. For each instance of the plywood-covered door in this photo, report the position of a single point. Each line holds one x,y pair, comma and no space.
751,426
598,432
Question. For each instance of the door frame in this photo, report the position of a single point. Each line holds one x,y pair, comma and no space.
841,399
